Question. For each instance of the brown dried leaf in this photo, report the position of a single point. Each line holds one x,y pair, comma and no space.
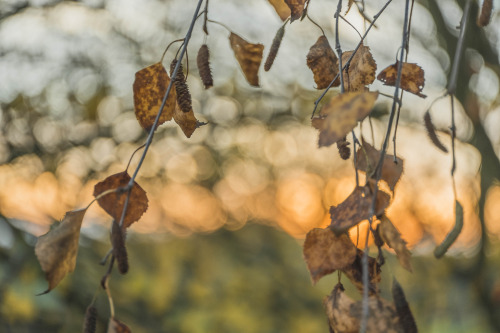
323,62
337,118
344,314
355,273
281,8
116,326
296,7
149,88
361,71
368,158
57,249
356,208
186,121
403,309
113,203
324,252
249,57
485,15
350,3
412,77
393,239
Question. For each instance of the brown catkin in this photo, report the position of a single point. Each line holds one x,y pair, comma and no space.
344,150
485,15
274,48
204,66
90,324
119,249
181,88
431,131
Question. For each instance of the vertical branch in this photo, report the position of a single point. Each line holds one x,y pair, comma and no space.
338,48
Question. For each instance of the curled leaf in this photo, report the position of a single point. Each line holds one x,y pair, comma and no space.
403,309
324,252
323,63
116,326
249,57
361,71
149,89
186,121
356,208
56,251
281,8
393,239
431,131
412,77
296,8
337,118
113,203
452,236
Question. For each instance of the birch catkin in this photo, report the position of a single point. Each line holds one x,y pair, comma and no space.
90,324
203,61
274,48
181,88
119,249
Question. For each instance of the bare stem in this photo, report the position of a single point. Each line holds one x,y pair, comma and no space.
338,48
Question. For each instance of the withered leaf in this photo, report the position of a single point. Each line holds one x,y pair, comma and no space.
344,314
403,309
393,239
323,63
324,252
355,273
361,71
356,208
350,3
113,203
149,88
186,121
368,158
431,131
281,8
57,249
249,57
296,7
485,15
337,118
412,77
116,326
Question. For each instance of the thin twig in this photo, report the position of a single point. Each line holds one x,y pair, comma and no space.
337,46
131,157
316,24
221,24
205,29
165,52
348,62
346,21
355,154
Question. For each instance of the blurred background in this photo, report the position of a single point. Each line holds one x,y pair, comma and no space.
219,249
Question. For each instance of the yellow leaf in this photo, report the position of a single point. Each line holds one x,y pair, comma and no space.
361,71
296,7
281,8
412,77
249,57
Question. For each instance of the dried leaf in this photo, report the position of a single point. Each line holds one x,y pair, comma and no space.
186,121
412,77
431,131
281,8
119,249
57,249
368,158
403,309
337,118
90,324
249,57
344,314
324,252
351,2
361,71
355,273
356,208
274,48
485,15
203,62
393,239
113,203
323,63
296,7
452,236
116,326
149,88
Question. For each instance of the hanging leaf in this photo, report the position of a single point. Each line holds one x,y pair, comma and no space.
249,57
452,236
361,71
56,251
403,309
338,311
355,273
356,208
113,203
116,326
274,48
324,252
337,118
323,63
412,77
187,121
368,158
90,324
149,89
296,7
281,8
393,239
431,131
485,15
203,62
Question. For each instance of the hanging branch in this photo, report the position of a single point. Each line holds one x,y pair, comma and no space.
348,62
